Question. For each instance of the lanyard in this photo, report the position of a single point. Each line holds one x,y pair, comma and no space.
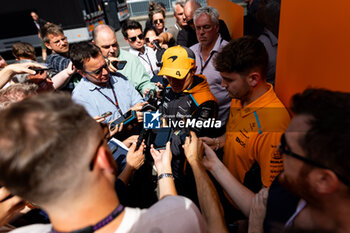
149,61
206,63
100,224
110,100
208,60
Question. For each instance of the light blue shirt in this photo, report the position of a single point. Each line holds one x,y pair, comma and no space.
86,93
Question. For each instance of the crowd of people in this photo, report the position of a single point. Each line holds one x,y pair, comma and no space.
182,133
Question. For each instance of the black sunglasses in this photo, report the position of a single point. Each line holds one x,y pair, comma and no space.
99,71
147,40
283,148
158,21
133,39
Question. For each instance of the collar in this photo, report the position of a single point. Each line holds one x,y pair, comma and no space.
216,47
273,39
136,52
92,86
259,103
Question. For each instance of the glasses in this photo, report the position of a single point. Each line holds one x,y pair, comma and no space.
92,163
158,21
133,39
147,40
97,72
108,46
205,28
283,148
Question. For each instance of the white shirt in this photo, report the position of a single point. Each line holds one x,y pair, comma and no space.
148,60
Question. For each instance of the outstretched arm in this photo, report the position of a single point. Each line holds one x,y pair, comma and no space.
208,197
162,161
238,193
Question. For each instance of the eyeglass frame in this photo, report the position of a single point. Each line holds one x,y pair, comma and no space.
97,72
158,21
133,39
282,149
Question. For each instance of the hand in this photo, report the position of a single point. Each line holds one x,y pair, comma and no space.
10,207
162,159
117,129
210,160
135,158
70,69
21,68
209,141
137,107
145,92
258,211
130,140
193,148
109,61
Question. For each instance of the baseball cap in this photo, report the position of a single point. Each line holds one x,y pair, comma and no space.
177,61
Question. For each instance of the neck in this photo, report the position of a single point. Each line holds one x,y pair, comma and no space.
332,214
206,49
255,94
85,211
142,50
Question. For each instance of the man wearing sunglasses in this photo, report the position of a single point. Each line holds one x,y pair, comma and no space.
59,159
104,37
99,91
133,35
187,36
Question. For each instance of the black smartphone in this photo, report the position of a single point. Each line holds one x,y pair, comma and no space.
157,45
106,114
162,136
126,118
119,65
38,69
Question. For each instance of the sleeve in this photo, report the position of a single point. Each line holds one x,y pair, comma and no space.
268,157
134,94
58,63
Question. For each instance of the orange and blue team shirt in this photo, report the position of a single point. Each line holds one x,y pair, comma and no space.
253,134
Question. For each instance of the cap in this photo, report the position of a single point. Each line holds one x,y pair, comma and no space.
177,61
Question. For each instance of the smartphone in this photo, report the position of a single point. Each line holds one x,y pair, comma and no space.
157,45
119,65
38,69
106,114
126,118
162,136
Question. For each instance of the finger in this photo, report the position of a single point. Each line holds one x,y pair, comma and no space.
132,147
121,127
167,148
4,193
193,135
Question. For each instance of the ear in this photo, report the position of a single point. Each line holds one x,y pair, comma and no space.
324,181
254,78
48,45
104,160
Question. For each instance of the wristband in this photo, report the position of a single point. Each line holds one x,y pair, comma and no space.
217,143
165,175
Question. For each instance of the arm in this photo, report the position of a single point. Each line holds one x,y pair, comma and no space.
238,193
215,143
9,71
162,161
134,160
9,207
208,197
63,77
258,212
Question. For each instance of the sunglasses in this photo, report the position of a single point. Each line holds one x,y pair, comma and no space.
133,39
158,21
99,71
283,148
147,40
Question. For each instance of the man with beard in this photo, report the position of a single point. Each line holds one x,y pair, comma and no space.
316,167
257,117
58,60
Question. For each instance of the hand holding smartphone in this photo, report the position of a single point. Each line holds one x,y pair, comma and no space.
119,65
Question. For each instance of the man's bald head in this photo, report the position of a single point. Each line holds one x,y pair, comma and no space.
104,37
189,9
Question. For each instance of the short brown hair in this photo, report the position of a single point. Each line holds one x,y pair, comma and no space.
23,50
50,29
46,146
